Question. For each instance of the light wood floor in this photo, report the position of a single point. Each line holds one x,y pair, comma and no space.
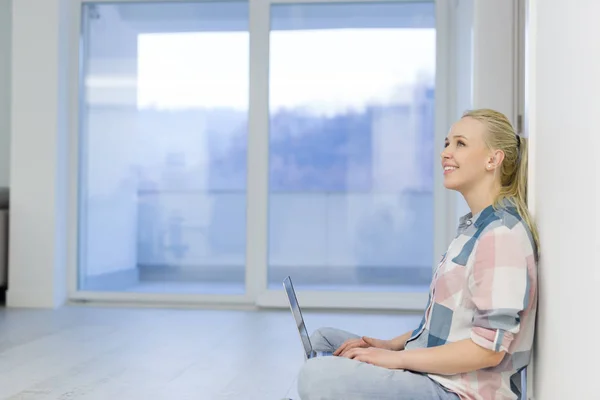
130,354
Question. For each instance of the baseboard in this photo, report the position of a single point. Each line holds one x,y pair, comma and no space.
112,281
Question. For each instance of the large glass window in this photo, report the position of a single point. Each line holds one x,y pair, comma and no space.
163,147
351,144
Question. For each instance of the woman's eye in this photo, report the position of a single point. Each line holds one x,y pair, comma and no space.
461,143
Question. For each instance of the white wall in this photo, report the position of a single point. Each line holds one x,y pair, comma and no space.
5,44
39,152
494,77
563,101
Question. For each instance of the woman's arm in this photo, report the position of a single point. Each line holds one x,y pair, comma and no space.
449,359
399,342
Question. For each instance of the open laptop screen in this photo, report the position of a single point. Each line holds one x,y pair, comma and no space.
291,294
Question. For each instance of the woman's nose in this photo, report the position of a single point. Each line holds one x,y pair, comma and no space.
445,154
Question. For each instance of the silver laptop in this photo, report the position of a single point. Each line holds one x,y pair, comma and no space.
297,314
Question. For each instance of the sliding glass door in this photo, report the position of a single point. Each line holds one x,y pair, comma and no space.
226,145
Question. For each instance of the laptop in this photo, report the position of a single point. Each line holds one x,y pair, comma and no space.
297,314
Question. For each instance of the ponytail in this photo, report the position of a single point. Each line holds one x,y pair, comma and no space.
515,189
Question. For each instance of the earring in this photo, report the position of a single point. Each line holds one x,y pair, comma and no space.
489,166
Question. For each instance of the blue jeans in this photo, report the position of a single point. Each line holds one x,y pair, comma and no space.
340,378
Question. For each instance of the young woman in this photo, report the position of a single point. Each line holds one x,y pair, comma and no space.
478,327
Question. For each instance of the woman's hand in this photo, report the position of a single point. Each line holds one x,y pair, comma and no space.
350,344
363,342
381,357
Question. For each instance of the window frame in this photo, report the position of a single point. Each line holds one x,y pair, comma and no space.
257,195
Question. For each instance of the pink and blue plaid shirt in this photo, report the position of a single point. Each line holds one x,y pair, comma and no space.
485,289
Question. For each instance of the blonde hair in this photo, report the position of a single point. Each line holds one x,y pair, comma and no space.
513,170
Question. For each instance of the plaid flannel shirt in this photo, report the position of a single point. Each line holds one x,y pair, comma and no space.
484,289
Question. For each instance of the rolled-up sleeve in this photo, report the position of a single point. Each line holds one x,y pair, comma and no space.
499,286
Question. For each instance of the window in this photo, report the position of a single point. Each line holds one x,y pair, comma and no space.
163,148
325,156
351,145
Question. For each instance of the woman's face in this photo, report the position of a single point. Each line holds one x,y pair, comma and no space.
466,159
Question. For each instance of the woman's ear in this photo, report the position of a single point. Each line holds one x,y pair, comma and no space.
495,159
